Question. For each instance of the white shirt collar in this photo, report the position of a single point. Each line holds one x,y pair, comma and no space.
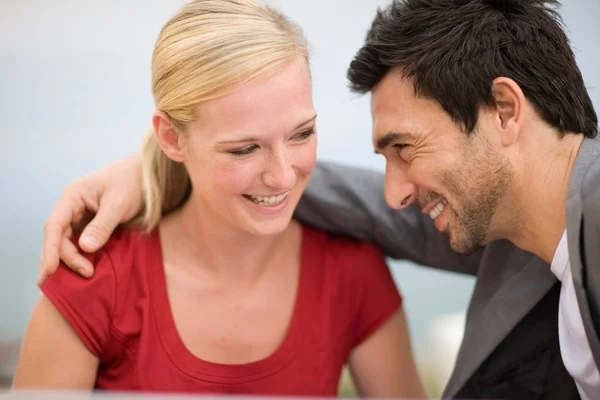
561,257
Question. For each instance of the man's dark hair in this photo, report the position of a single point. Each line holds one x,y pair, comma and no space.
453,50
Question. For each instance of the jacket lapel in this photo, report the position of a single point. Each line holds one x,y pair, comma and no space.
509,284
588,152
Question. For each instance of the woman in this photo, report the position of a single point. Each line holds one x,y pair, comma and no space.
214,289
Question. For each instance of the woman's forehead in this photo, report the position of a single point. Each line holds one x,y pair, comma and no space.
282,99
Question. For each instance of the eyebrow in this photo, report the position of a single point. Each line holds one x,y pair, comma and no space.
253,139
391,137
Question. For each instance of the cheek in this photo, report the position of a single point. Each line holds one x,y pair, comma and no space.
212,177
303,158
431,174
236,176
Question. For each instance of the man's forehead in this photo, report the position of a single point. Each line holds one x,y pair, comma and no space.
388,116
392,100
395,107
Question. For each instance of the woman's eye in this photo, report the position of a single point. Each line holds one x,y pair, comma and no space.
304,134
245,151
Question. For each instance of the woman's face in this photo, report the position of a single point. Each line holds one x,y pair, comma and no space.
250,153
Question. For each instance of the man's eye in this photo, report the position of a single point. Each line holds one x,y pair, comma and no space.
401,150
245,151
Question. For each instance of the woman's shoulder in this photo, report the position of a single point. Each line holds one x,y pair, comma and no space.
355,280
344,261
342,247
128,244
126,257
96,305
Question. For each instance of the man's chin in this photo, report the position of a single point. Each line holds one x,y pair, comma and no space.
463,246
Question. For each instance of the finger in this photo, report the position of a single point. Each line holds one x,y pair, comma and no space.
42,275
81,222
53,234
97,232
56,226
71,257
45,272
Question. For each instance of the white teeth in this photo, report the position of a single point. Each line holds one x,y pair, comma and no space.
437,210
268,200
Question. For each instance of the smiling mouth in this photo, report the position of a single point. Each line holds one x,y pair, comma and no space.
437,210
268,201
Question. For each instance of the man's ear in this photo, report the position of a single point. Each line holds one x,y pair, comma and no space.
168,137
510,109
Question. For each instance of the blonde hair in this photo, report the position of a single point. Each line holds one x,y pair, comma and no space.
208,49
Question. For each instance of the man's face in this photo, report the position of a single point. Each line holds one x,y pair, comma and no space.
456,178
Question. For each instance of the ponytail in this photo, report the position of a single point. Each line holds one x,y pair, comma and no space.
166,183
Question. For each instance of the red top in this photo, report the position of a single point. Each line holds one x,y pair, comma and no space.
123,316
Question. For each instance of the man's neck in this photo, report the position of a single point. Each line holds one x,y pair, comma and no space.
542,185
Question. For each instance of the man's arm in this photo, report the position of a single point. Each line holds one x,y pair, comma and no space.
338,199
112,195
350,201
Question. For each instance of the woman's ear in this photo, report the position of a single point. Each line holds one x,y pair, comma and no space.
168,137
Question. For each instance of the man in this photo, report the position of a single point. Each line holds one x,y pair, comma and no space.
488,133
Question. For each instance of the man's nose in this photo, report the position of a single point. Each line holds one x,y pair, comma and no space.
399,191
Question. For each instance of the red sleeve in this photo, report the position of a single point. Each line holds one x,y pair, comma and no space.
376,296
87,304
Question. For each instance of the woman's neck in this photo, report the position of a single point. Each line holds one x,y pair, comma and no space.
192,237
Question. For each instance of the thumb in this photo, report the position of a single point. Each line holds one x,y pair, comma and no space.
96,233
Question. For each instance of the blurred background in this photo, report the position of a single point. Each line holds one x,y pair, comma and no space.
75,95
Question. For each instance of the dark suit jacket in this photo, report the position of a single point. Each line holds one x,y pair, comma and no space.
583,234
